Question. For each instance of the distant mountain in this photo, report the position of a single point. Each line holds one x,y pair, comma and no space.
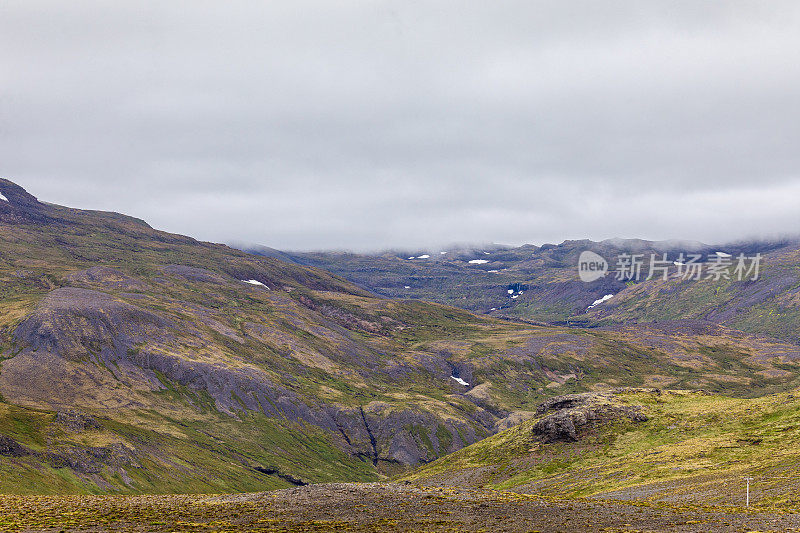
542,283
768,305
134,360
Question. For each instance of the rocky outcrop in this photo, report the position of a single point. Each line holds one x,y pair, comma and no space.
76,421
568,418
11,448
271,471
85,460
73,322
93,459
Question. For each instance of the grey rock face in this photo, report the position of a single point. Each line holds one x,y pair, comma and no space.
11,448
77,421
573,415
71,321
135,345
92,460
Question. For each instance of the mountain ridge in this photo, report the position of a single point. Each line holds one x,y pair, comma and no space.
541,283
200,368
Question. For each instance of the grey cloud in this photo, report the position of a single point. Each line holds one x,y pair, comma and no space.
375,124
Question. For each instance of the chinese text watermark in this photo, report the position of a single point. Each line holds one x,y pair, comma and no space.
637,267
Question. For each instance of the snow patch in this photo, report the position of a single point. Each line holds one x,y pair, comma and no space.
487,253
723,254
493,271
2,197
605,298
412,257
442,253
254,282
510,291
460,381
478,262
426,256
407,287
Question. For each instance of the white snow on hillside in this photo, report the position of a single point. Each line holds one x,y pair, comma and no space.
425,256
723,254
2,197
460,381
478,261
254,282
605,298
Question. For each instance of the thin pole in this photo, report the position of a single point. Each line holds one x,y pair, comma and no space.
748,479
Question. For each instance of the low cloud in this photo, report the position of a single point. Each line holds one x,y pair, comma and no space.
376,124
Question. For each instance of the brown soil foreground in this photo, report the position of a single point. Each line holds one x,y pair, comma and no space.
370,507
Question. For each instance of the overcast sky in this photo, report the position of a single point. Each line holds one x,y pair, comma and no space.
374,124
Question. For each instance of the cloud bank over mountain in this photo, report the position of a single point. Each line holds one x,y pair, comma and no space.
374,124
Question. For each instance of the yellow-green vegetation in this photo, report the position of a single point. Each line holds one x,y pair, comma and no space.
202,452
373,507
694,447
201,380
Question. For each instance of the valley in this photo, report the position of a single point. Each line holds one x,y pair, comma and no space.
386,266
136,362
539,283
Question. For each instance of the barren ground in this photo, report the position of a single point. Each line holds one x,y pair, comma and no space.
370,507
